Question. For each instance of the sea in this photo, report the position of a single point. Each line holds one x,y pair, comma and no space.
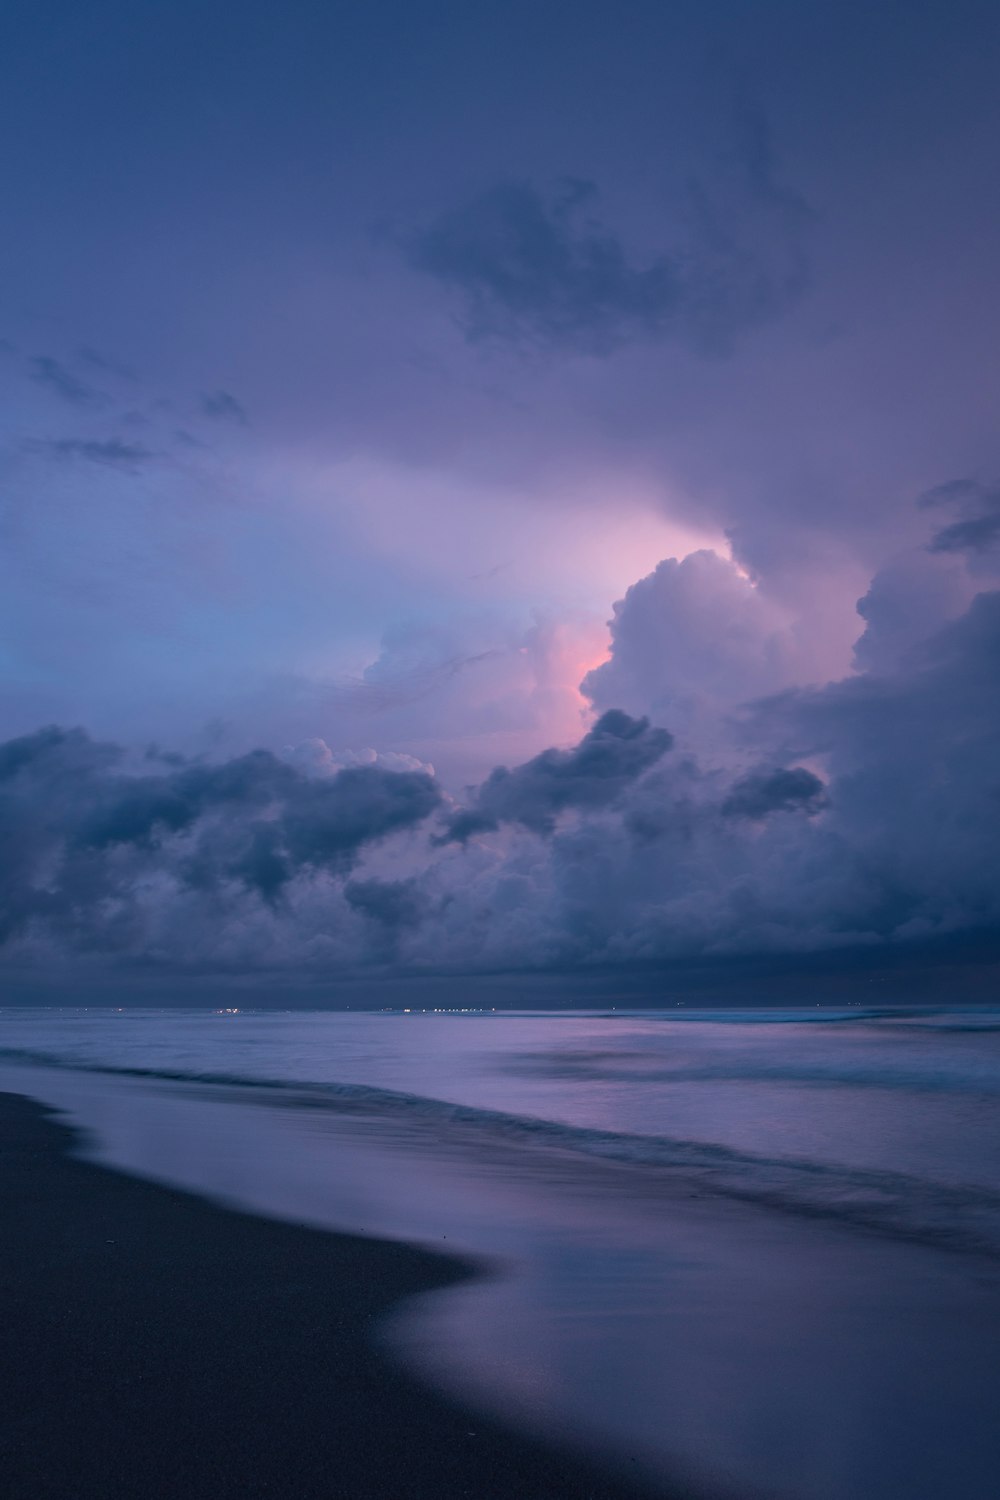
758,1250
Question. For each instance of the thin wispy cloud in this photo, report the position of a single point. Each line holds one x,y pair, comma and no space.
221,406
113,452
58,378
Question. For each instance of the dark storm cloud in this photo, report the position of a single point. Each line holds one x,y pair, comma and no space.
617,751
82,837
939,710
529,268
976,535
224,407
55,375
912,756
709,861
254,861
55,752
329,820
112,452
978,528
784,790
141,810
391,903
543,270
904,854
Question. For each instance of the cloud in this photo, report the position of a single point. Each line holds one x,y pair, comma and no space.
542,270
911,756
858,816
909,598
51,373
107,364
463,694
315,757
527,268
889,844
978,529
784,790
691,641
407,670
85,836
112,452
223,407
592,775
390,903
755,151
979,534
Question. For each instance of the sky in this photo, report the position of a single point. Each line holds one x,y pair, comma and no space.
499,489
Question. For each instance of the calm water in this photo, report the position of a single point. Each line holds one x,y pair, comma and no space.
762,1249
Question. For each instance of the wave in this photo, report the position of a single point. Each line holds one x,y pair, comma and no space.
884,1017
642,1066
953,1217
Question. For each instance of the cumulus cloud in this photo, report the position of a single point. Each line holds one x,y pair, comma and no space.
909,598
915,594
593,774
84,832
691,641
890,841
315,757
860,814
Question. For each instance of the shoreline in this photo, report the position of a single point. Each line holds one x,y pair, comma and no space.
157,1344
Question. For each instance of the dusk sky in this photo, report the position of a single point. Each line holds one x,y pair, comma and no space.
498,487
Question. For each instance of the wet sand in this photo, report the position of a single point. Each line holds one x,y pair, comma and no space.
155,1344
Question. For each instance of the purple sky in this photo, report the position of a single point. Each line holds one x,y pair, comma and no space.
359,365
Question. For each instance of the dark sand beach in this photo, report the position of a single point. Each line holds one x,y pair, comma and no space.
155,1344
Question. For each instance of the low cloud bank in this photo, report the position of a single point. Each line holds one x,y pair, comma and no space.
864,814
90,840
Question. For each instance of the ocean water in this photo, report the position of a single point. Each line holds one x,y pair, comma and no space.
759,1249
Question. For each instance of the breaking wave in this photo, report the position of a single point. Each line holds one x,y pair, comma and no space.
955,1217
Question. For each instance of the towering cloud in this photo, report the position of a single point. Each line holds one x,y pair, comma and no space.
691,641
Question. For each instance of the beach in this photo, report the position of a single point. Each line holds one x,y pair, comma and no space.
730,1254
158,1345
